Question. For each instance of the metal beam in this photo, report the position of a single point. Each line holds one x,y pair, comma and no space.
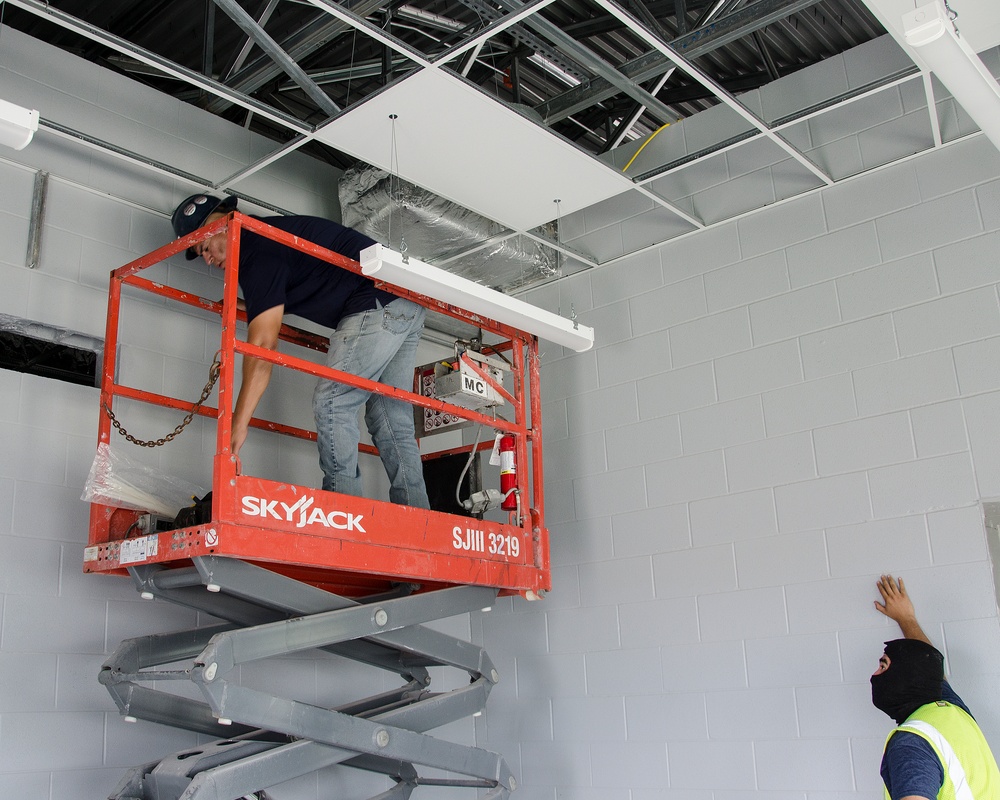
300,44
765,54
647,16
279,56
680,16
697,43
208,53
244,53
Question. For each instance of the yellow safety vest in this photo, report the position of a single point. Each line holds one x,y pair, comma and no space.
970,771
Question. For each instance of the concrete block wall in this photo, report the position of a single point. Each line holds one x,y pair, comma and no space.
776,411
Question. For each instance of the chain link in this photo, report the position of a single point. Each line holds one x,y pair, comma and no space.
213,376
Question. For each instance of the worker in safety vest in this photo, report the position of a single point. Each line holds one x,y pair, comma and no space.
375,336
937,750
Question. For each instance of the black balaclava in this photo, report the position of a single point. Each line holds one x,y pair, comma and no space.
913,679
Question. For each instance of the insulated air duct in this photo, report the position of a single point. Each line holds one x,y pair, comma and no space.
439,231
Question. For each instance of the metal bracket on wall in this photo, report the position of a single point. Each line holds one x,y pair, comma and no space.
37,216
271,738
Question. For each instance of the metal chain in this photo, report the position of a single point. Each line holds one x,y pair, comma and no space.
213,376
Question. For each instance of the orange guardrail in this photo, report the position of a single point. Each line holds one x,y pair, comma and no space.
352,545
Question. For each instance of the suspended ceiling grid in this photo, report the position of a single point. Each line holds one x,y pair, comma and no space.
533,113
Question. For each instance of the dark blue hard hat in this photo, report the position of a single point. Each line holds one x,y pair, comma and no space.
192,213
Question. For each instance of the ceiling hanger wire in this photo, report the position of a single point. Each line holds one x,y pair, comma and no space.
395,190
559,255
350,74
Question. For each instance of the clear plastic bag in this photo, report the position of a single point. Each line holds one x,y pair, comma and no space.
116,480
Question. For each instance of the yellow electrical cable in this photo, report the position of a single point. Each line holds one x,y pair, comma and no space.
629,164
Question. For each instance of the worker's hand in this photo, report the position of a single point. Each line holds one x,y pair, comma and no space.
239,436
896,603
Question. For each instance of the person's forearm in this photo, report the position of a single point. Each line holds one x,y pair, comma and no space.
256,376
911,629
262,331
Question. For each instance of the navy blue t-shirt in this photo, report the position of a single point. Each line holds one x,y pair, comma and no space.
909,765
272,274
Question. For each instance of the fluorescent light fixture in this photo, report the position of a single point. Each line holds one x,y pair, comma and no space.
17,125
432,20
554,69
932,32
387,265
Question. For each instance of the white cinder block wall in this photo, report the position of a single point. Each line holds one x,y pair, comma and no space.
776,411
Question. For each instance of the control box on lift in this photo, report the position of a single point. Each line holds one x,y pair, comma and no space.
467,387
471,379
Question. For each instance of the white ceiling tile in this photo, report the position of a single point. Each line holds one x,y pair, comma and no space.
457,142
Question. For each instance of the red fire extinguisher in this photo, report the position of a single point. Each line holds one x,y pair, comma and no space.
508,472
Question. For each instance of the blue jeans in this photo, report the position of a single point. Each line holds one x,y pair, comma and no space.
381,345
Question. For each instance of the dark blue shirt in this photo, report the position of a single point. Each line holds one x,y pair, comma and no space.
910,766
272,274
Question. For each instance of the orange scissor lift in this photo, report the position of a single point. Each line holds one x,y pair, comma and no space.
289,569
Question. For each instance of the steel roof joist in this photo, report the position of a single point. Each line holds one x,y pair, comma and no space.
279,56
298,45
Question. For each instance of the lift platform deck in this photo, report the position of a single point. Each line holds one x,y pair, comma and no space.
351,546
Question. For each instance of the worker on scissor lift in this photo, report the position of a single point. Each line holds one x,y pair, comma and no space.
375,336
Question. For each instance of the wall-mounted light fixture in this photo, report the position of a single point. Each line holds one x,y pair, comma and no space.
384,264
931,30
17,125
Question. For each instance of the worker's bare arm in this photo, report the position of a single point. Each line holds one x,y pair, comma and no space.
262,332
